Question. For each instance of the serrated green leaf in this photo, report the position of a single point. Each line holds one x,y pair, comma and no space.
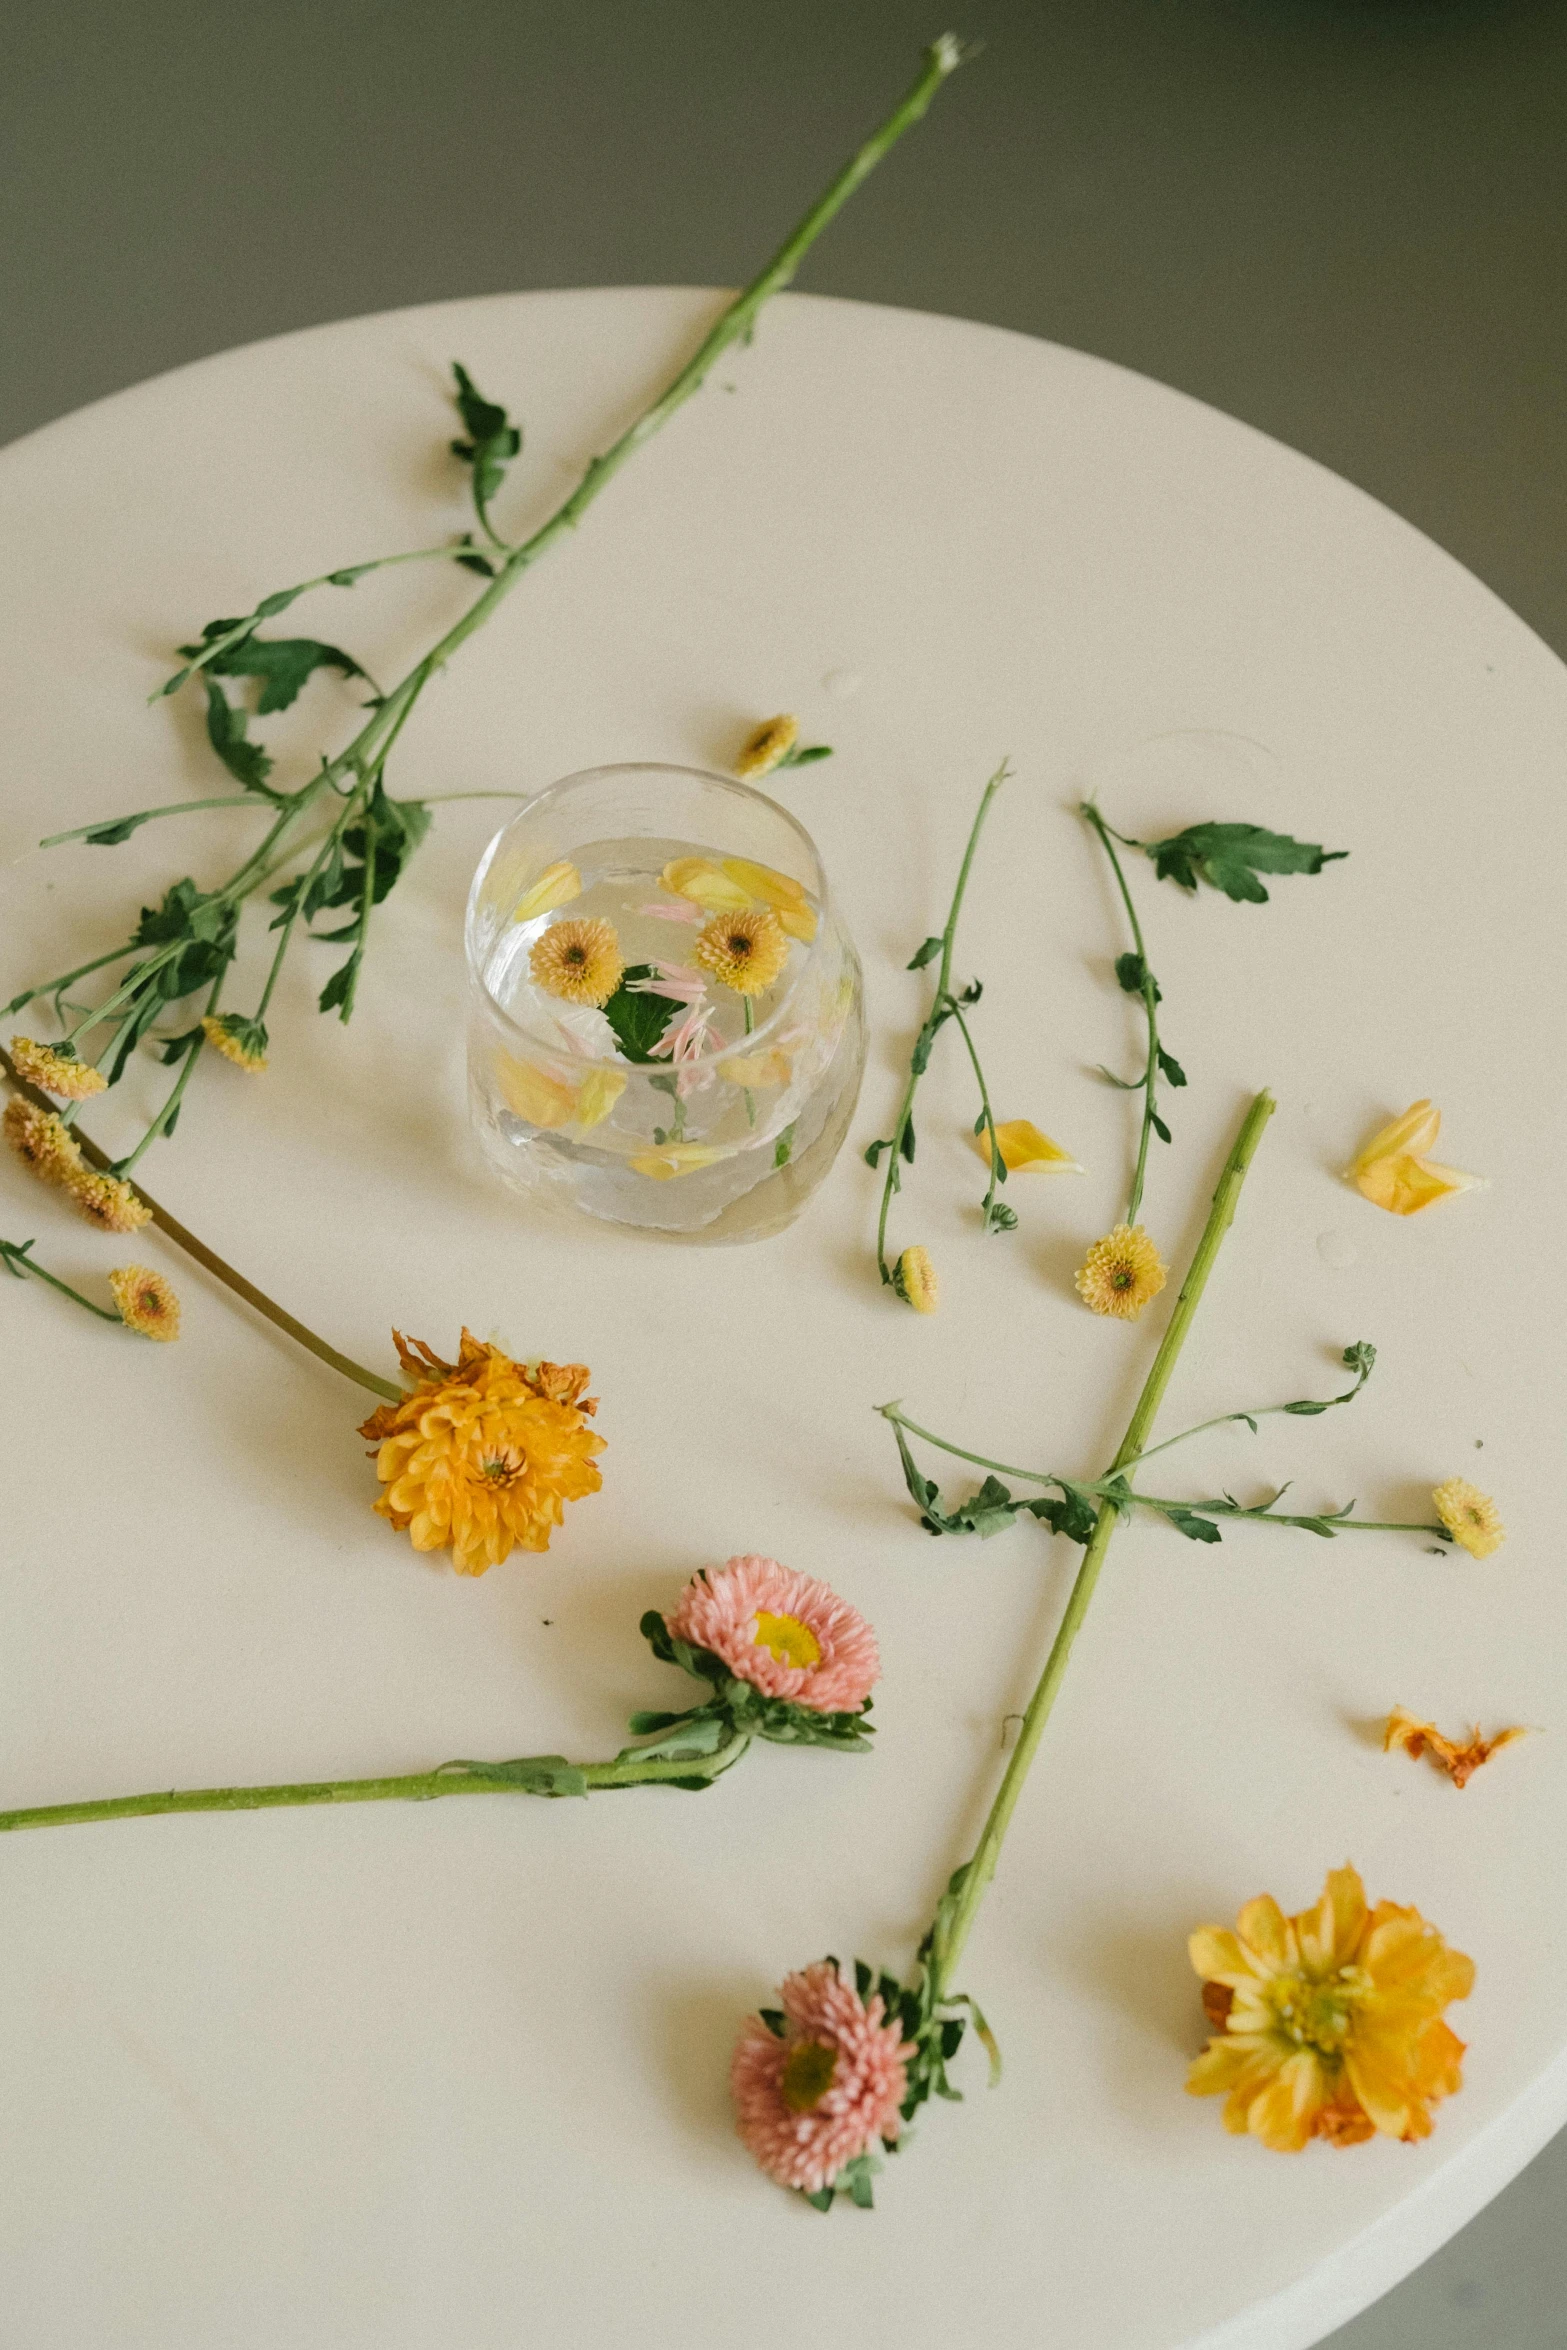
1133,973
1230,857
283,665
638,1018
246,761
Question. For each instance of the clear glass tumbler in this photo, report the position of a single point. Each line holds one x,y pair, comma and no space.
666,1025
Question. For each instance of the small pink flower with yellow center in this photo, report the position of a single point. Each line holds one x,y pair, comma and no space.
787,1634
825,2089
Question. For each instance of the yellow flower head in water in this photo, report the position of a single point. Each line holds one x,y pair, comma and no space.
556,886
41,1140
1121,1273
743,951
578,961
146,1301
56,1070
242,1041
914,1279
1025,1151
106,1200
1470,1516
771,742
1393,1171
484,1454
733,885
1329,2023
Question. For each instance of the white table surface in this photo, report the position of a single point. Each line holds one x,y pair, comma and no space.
455,2074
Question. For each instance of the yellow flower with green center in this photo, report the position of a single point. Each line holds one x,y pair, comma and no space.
807,2075
790,1641
1331,2021
578,961
1121,1273
1470,1516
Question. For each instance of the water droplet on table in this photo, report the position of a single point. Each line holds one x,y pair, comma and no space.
842,684
1337,1249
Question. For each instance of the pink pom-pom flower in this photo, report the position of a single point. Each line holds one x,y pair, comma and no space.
828,2089
787,1634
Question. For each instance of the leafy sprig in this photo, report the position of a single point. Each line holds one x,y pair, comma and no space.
947,1003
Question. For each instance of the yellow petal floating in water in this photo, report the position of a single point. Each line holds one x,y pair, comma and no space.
758,1069
1025,1151
1393,1172
542,1100
705,884
597,1095
556,886
787,899
677,1158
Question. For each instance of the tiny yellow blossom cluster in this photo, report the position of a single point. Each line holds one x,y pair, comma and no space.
46,1145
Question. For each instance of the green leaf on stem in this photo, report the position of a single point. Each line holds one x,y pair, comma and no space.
1134,975
1230,857
493,440
283,665
638,1018
246,761
926,954
1195,1529
1171,1067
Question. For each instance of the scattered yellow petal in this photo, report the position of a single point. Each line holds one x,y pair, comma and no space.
556,886
56,1070
539,1098
753,1070
146,1301
914,1279
1329,2023
1393,1172
773,740
578,961
677,1158
1470,1516
1121,1273
1460,1762
1025,1151
597,1095
743,951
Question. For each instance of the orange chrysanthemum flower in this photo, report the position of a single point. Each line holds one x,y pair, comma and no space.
106,1200
56,1070
485,1453
578,961
744,951
1329,2023
146,1301
1121,1273
41,1140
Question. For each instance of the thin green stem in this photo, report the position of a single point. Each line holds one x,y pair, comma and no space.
165,1117
1265,1515
540,1775
1149,993
996,1161
894,1413
17,1259
957,1924
242,799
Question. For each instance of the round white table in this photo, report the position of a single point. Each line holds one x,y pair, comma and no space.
397,2076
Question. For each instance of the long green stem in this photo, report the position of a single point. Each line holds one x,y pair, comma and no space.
18,1260
958,1923
997,1165
537,1775
1149,993
183,1238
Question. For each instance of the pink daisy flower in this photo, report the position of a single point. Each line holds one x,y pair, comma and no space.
829,2089
786,1634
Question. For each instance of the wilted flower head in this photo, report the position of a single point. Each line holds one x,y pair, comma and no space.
55,1069
1470,1516
1459,1762
1329,2023
1121,1273
242,1041
484,1454
822,2082
1025,1151
914,1279
41,1140
787,1634
579,961
743,951
146,1301
772,741
105,1200
1393,1171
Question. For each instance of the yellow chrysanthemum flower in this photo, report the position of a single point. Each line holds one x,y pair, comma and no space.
1025,1151
106,1200
578,961
146,1301
676,1158
772,741
1470,1516
556,886
743,951
914,1279
41,1140
56,1070
485,1453
1393,1171
242,1041
1330,2023
1121,1273
734,885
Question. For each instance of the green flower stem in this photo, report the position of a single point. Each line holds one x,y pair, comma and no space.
1264,1514
892,1181
163,1119
957,1922
292,916
183,1238
996,1160
1150,995
17,1260
240,799
454,1778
